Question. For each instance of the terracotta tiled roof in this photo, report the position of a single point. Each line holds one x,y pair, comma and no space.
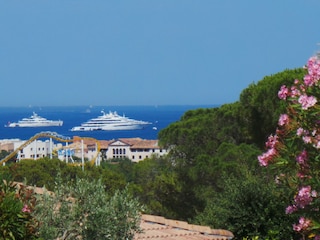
140,143
133,142
160,228
104,144
91,141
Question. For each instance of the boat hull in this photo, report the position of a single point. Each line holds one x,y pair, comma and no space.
52,124
107,128
35,121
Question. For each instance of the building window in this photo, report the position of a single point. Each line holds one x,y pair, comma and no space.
124,151
133,157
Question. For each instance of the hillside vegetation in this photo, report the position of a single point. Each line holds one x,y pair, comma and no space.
211,176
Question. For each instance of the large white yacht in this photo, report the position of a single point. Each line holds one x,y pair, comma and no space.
109,122
35,121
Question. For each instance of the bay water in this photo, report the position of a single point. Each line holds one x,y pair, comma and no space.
159,116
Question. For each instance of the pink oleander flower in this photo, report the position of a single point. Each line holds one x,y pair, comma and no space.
263,160
266,157
291,209
311,61
302,157
304,197
26,208
309,80
283,119
303,224
314,69
300,131
295,91
314,194
307,101
302,175
307,139
301,96
302,88
272,141
283,92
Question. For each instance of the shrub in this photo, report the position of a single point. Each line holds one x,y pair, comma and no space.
294,150
16,208
84,210
249,208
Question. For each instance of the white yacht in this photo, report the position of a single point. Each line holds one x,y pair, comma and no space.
35,121
109,122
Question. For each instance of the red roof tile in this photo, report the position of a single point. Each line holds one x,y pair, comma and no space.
159,228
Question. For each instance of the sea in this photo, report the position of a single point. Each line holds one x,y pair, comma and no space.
160,117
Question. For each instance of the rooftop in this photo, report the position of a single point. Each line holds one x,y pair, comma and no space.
160,228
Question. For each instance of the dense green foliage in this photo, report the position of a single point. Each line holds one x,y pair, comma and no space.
85,210
251,207
79,209
212,145
261,105
16,206
211,175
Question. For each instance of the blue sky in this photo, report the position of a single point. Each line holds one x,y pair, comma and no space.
148,52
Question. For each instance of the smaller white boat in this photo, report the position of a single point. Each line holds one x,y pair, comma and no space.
35,121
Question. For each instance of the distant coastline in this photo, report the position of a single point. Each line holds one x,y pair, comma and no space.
192,106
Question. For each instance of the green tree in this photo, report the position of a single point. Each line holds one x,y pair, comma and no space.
262,106
156,186
43,172
206,143
3,154
249,208
112,180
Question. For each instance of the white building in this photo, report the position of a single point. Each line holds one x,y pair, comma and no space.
35,149
135,149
